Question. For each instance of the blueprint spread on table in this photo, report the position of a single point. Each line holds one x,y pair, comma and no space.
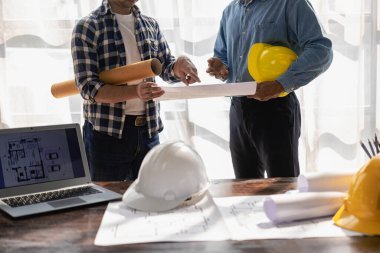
211,219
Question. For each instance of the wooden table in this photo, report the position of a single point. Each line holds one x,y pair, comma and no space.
74,230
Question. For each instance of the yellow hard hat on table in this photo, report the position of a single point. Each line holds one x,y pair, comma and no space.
360,211
267,62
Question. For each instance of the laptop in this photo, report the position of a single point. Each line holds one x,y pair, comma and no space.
45,169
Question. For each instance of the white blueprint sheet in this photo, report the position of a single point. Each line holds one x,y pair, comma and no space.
200,222
208,90
230,218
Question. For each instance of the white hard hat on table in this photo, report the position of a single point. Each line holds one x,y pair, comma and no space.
171,174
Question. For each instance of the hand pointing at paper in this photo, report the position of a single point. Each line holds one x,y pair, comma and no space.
185,70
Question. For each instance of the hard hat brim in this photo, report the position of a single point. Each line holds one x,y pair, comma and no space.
138,201
348,221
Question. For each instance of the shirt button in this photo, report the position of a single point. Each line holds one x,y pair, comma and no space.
241,56
243,32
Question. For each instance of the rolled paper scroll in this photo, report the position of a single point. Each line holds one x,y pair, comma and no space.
325,181
299,206
116,76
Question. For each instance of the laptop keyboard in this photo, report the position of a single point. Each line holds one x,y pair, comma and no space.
50,196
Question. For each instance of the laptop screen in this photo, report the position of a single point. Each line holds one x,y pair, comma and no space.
34,157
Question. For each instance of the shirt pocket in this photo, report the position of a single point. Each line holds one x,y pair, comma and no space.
268,32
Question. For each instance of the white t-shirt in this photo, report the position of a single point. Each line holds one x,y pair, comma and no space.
127,28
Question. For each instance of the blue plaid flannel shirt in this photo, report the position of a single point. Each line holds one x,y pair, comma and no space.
97,45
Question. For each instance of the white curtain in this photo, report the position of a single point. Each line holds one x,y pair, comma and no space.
339,108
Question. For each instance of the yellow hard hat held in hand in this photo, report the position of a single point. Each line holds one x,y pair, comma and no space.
267,62
360,211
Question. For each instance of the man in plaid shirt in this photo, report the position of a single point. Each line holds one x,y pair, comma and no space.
121,122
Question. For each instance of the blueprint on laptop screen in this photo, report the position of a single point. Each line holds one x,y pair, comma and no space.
39,157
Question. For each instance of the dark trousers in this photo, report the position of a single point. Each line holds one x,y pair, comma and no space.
113,159
264,137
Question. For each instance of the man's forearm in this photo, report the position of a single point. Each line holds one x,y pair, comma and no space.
116,93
